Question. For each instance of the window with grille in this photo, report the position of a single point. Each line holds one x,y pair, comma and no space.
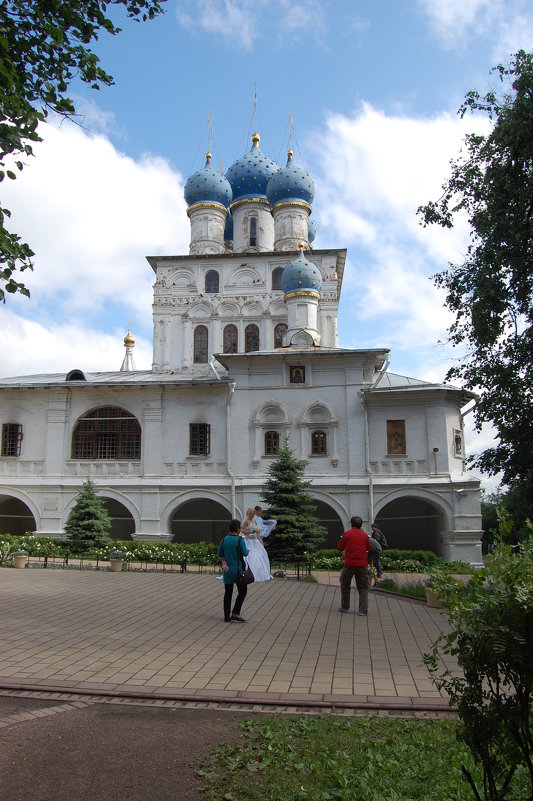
108,432
11,439
271,443
319,443
251,338
211,282
231,339
276,278
253,231
199,439
279,332
200,344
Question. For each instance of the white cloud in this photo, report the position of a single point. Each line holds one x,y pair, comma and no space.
507,24
242,22
91,214
62,346
374,172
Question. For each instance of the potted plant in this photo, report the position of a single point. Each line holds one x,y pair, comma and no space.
19,559
117,560
434,586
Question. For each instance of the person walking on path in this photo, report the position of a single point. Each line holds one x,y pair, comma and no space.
231,550
379,536
356,544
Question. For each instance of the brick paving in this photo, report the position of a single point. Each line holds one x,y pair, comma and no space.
161,636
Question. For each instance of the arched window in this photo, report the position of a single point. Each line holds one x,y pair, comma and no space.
231,339
251,338
279,331
211,282
200,344
276,278
271,443
253,231
319,443
108,432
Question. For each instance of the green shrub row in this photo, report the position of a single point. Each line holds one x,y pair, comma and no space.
393,560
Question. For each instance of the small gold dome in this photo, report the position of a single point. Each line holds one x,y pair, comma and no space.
256,138
129,341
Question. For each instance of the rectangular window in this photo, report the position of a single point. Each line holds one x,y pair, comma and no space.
11,439
199,439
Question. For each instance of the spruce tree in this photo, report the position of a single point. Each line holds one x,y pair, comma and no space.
286,494
88,524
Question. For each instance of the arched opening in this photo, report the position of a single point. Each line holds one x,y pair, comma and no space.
251,338
200,344
107,432
211,282
231,339
411,523
15,517
331,521
279,332
199,520
122,522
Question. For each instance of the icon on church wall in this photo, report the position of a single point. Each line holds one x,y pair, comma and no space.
396,437
297,375
458,442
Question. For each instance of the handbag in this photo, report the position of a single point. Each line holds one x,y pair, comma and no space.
244,575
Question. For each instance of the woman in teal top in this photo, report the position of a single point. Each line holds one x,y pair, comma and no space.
230,549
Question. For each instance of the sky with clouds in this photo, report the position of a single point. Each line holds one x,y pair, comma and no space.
374,87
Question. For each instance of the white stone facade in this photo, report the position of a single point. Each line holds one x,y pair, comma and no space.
187,445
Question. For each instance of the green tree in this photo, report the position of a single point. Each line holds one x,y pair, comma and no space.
286,494
491,290
88,524
492,639
44,45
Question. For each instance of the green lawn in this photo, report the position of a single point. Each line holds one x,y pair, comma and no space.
330,758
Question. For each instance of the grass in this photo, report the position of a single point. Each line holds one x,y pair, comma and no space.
416,590
333,759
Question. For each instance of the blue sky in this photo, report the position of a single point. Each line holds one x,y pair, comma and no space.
374,87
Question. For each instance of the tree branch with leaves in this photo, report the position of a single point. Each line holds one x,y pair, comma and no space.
491,291
44,46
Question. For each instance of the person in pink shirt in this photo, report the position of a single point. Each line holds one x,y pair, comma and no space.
356,544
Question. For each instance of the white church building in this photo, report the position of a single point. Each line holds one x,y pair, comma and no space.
245,355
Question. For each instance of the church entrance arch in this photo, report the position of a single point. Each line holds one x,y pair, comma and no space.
412,523
329,518
15,517
199,520
122,522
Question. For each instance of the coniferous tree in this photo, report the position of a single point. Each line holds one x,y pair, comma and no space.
88,524
286,494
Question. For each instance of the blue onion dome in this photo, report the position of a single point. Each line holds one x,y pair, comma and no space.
208,186
228,228
290,183
301,276
250,174
311,230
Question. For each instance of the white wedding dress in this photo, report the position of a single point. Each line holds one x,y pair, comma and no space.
257,556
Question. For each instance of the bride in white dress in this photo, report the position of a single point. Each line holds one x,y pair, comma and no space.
253,529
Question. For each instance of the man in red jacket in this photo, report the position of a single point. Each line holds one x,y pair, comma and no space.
356,544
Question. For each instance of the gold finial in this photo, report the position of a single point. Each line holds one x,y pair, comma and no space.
129,341
301,246
256,138
208,157
289,155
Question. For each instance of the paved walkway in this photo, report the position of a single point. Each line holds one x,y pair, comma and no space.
161,636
